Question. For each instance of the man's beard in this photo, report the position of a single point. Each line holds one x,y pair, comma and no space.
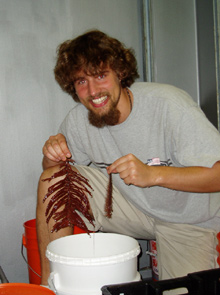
111,118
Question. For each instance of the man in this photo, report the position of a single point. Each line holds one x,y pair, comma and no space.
162,152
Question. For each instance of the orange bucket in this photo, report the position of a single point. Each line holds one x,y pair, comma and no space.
33,257
77,230
29,241
23,289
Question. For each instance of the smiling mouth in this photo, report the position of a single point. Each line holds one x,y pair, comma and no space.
99,101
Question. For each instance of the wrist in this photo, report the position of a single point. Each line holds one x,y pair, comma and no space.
158,177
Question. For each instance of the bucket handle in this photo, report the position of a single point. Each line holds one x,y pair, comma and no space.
151,253
22,253
51,281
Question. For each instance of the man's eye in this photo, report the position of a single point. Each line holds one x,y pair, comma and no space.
81,82
102,76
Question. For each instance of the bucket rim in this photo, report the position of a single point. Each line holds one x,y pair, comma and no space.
91,261
27,223
20,284
26,286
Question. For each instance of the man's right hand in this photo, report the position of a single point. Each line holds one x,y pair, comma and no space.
55,150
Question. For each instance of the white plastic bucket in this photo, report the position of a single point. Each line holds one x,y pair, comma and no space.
82,264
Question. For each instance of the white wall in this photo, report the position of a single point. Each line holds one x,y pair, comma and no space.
183,49
31,104
175,44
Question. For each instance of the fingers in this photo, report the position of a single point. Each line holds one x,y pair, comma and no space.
131,170
56,149
120,164
125,166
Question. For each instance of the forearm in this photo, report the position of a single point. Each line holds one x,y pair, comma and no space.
190,179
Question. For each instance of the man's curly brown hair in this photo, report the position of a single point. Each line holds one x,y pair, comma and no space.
93,52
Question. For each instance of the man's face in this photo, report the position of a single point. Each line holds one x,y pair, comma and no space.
100,94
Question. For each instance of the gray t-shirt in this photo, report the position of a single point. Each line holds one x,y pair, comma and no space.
165,127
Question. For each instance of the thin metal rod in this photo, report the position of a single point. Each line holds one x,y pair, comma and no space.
148,41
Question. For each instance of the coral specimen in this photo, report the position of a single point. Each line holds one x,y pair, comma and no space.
108,201
69,195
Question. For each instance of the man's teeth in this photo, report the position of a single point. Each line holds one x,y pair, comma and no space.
99,100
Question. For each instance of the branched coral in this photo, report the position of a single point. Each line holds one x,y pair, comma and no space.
69,195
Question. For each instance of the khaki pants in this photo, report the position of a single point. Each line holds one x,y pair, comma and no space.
181,248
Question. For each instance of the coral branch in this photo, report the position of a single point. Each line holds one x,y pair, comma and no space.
108,201
69,195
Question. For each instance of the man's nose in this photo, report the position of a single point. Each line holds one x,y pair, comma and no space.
93,88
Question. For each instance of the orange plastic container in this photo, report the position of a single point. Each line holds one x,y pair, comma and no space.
23,289
77,230
31,245
33,256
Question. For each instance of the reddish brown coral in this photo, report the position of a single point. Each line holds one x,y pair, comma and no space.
69,196
108,201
